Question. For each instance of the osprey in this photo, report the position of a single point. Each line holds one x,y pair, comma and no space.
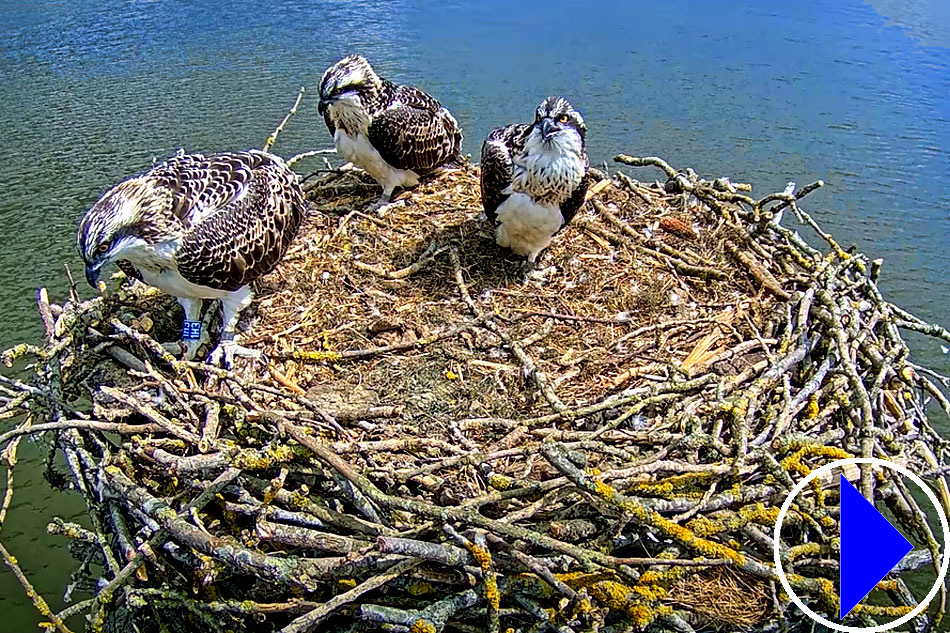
197,227
396,133
534,177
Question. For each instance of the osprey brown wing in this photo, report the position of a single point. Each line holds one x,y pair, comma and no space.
415,132
248,235
199,183
573,204
496,165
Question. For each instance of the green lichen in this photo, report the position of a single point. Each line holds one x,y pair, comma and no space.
422,626
685,536
321,356
263,459
499,482
671,486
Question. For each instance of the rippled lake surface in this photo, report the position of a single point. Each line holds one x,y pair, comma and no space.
855,93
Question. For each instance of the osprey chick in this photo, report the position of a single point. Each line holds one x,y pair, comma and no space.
197,227
396,133
534,177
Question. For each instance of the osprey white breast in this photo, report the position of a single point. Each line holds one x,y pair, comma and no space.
359,151
526,226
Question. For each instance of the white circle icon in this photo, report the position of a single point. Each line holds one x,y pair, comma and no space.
827,468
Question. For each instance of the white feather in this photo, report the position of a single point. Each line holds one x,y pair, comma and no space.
126,212
360,151
170,281
156,264
526,226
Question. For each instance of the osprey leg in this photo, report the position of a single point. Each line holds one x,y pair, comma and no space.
227,349
385,199
231,307
192,332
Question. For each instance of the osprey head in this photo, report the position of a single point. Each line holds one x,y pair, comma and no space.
350,81
125,219
555,118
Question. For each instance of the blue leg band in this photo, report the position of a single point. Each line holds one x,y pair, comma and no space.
190,330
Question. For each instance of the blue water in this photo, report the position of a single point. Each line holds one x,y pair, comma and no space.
855,93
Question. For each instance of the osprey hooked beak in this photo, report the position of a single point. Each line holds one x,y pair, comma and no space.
92,273
329,100
335,97
549,128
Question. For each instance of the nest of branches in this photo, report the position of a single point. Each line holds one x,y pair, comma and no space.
436,443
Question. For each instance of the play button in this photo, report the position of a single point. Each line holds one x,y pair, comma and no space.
870,545
864,530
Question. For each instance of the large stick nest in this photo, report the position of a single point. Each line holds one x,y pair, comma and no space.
437,443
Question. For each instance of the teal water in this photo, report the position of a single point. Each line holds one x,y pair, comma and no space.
855,93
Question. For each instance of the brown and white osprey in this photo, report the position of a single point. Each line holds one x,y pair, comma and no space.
396,133
534,177
197,227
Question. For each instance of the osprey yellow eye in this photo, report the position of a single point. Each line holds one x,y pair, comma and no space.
103,249
563,118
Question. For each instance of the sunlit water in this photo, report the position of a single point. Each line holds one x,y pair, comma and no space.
857,94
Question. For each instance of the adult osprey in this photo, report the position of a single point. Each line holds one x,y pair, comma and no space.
396,133
534,177
197,227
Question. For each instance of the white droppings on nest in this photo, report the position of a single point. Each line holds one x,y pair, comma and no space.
637,423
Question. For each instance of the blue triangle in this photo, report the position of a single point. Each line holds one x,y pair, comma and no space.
870,547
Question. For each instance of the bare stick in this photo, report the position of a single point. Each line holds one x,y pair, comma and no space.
273,137
310,620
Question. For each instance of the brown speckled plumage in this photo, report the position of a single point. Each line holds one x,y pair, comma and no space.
413,131
231,216
249,233
410,129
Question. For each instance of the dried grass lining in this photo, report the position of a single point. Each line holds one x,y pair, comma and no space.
437,445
